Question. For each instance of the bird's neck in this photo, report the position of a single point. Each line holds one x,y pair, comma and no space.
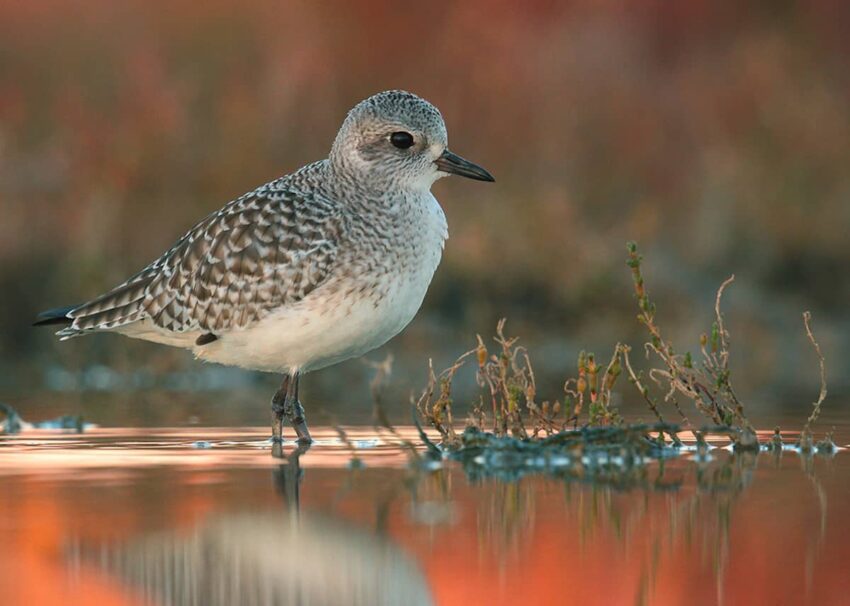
372,188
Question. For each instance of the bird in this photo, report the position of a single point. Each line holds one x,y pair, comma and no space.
318,266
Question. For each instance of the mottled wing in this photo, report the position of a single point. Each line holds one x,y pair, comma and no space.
265,250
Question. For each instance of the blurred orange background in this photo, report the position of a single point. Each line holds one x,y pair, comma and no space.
717,134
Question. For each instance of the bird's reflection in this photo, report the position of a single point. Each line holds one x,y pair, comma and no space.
261,558
288,476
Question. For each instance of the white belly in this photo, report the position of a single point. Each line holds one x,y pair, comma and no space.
321,330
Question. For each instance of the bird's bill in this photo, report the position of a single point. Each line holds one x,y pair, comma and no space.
455,165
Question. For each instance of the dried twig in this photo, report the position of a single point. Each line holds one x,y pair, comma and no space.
807,317
439,413
635,379
708,386
383,370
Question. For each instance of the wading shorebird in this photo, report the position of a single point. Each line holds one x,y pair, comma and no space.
311,269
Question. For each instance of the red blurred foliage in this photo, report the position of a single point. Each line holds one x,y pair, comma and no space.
716,133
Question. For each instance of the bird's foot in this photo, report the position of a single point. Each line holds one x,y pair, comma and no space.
296,418
291,410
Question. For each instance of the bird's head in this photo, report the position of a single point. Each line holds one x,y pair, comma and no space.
397,138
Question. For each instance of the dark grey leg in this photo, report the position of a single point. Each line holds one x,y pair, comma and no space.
285,404
295,412
278,410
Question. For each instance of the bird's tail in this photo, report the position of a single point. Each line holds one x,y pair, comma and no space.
59,315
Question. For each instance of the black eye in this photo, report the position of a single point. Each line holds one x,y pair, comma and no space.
401,139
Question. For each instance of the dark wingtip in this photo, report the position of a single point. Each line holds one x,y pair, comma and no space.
54,316
206,338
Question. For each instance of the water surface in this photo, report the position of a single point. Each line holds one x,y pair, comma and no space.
206,516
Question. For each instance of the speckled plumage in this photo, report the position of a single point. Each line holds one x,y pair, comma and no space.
312,268
264,250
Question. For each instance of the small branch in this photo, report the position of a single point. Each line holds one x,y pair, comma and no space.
807,317
383,370
644,391
720,328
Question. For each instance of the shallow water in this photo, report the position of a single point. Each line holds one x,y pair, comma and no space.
207,516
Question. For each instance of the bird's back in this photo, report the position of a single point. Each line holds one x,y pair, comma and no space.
266,249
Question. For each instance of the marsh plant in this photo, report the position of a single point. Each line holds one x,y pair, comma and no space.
678,383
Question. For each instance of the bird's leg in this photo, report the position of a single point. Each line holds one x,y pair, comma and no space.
278,410
285,404
295,412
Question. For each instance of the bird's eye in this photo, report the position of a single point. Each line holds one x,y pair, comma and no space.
401,140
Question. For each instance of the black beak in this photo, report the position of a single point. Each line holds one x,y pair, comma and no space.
455,165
